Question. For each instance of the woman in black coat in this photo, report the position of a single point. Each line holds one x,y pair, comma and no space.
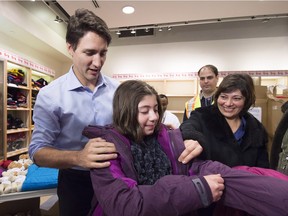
226,130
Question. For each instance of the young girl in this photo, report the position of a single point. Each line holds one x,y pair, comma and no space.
147,179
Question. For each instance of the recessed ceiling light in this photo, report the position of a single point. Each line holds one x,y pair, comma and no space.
58,19
128,10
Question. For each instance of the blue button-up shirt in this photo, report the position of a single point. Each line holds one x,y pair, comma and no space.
64,107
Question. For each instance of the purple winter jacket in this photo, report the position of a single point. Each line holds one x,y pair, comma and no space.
117,192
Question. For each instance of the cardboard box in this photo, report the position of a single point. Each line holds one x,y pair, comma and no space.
261,92
285,92
275,114
261,102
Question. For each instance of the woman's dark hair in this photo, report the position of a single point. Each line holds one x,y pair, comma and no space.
242,82
125,108
211,67
84,21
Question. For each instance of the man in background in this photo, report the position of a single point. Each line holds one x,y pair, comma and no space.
208,76
169,119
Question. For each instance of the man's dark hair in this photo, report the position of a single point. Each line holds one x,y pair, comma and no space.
84,21
211,67
163,96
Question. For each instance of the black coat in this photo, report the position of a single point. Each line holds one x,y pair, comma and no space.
277,140
209,127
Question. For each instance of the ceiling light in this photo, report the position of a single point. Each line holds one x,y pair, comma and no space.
128,10
58,19
265,20
147,30
160,29
133,31
169,28
118,33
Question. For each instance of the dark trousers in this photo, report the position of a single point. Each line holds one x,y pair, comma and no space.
75,192
208,211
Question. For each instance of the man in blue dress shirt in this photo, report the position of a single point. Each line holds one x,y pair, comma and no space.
81,97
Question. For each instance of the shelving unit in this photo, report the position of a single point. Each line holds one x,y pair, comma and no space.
2,104
177,91
17,138
17,106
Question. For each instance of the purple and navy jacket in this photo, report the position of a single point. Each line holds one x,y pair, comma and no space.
182,193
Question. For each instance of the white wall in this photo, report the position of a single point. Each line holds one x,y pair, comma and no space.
16,47
23,34
231,46
237,54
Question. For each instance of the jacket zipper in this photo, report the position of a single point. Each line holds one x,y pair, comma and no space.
179,168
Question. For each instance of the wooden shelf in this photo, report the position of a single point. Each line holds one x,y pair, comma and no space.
18,130
27,195
17,152
18,108
17,86
177,111
23,113
180,96
177,91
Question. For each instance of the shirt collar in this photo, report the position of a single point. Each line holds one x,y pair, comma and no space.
202,96
239,133
73,82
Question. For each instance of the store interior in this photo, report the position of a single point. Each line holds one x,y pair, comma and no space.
172,40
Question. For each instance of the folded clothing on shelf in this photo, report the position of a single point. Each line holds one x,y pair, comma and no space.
15,98
13,177
38,178
24,175
15,141
16,76
14,122
38,84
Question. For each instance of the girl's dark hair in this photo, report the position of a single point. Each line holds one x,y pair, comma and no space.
242,82
125,108
84,21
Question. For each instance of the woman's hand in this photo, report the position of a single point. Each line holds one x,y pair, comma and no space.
192,150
